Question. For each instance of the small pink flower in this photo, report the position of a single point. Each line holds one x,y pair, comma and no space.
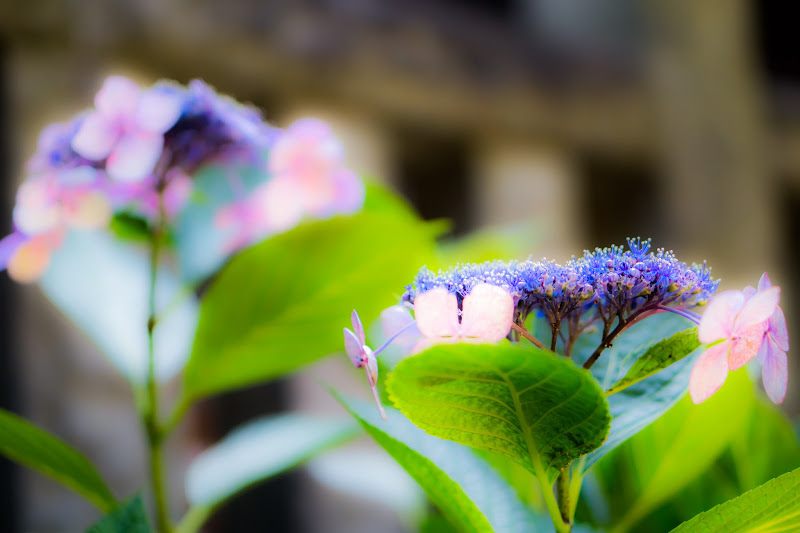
738,322
127,128
362,356
774,363
48,205
309,179
487,315
307,164
27,258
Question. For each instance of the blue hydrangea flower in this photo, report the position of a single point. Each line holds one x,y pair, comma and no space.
626,281
615,281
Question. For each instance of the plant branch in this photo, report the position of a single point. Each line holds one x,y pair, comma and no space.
150,414
608,337
525,333
564,500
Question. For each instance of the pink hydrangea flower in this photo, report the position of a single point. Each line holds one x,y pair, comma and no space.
309,179
308,168
487,315
48,205
362,356
126,128
774,363
737,321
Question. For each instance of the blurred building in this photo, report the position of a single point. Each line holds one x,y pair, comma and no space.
587,122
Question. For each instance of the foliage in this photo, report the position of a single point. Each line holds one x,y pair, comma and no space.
128,517
37,449
530,405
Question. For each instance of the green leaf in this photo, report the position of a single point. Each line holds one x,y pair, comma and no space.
774,506
531,405
659,356
37,449
129,227
639,405
463,486
282,303
765,447
675,450
102,284
129,517
259,450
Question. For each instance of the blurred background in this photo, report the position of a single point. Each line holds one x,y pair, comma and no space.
576,123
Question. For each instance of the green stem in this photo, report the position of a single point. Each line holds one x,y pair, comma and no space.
194,519
564,500
551,503
150,413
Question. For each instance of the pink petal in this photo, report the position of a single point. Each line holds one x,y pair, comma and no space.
745,345
36,210
757,309
778,330
95,137
436,312
118,96
177,193
764,282
358,327
354,348
774,371
349,192
31,259
281,204
134,157
488,313
717,321
395,319
159,109
90,210
709,373
372,369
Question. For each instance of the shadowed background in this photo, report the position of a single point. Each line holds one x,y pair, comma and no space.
575,123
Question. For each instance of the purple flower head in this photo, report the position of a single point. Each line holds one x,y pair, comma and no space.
626,281
214,127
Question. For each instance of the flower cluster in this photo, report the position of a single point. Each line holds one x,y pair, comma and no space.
625,281
614,281
309,178
738,327
137,149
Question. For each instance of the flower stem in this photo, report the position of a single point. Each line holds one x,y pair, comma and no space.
150,413
552,504
606,342
526,334
564,501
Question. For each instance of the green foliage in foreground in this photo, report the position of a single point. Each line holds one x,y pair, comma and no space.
531,405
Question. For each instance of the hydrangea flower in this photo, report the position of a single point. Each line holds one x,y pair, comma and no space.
743,324
47,206
737,322
774,363
626,281
126,129
137,150
486,315
307,165
309,179
362,356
